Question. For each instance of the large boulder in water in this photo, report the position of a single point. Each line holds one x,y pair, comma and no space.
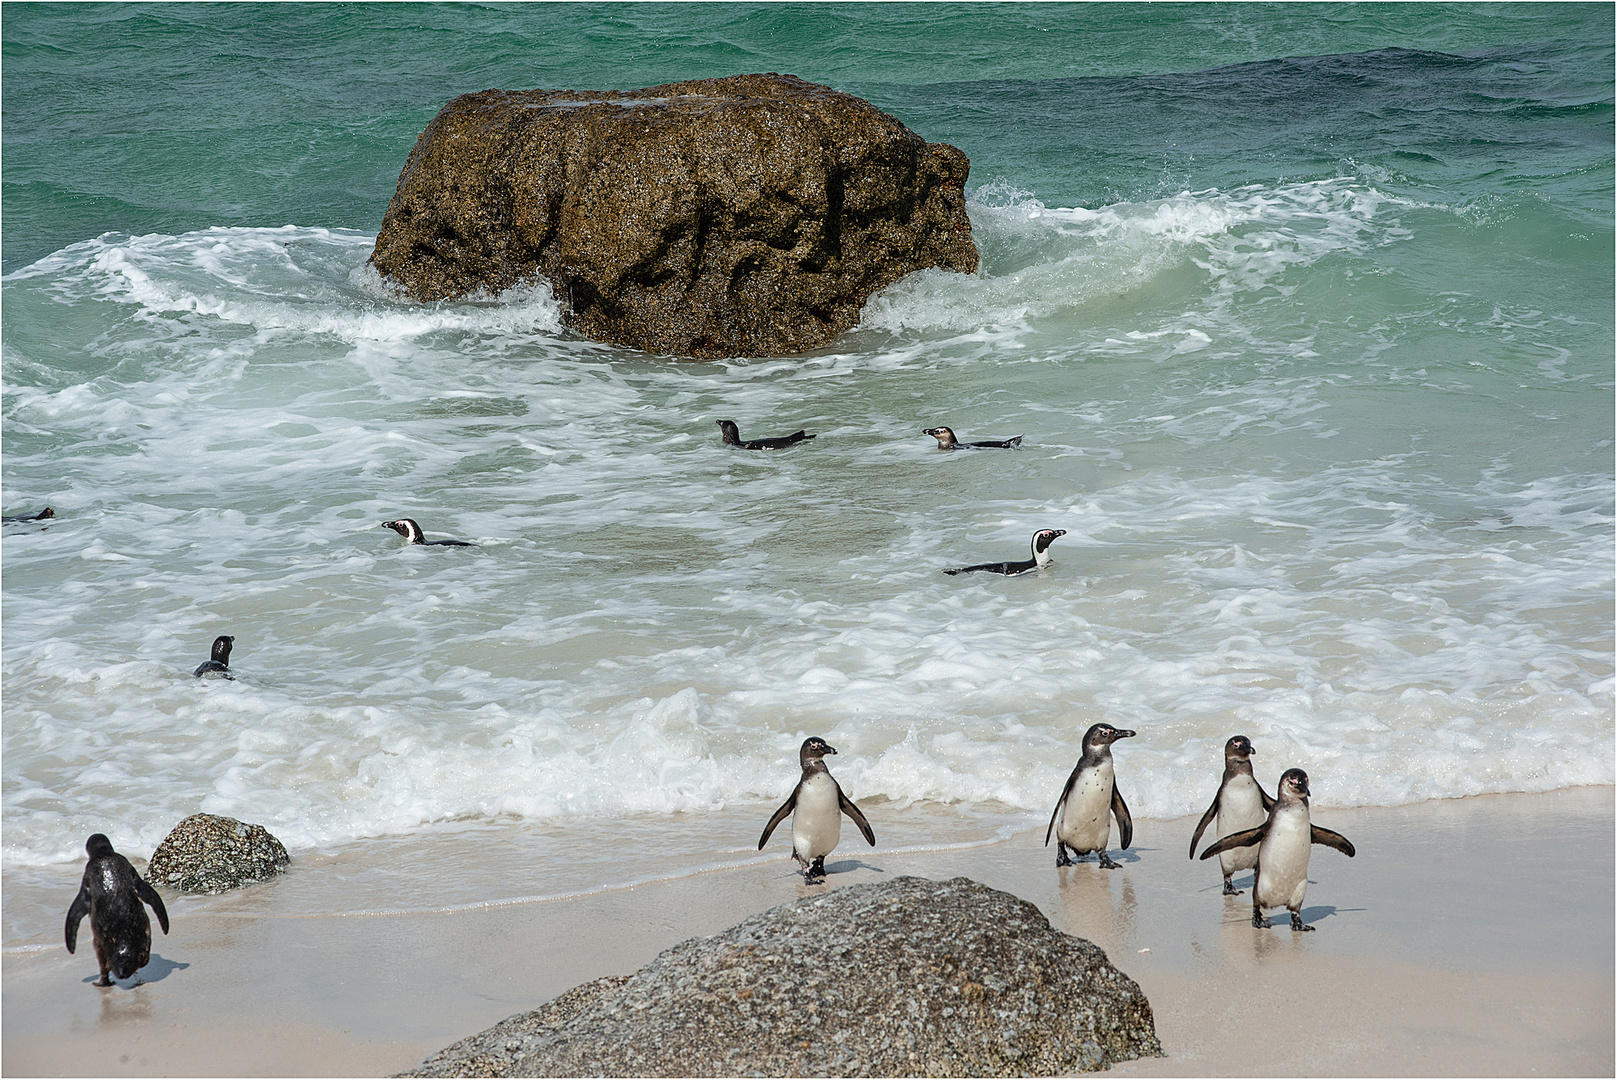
904,978
752,215
207,853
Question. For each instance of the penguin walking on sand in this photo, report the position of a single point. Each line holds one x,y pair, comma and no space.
816,805
217,666
1082,818
1283,844
732,437
111,895
947,441
407,528
1041,557
1240,804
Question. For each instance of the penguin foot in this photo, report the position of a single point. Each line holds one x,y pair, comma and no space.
1259,922
105,981
1297,922
1230,889
1061,857
1106,861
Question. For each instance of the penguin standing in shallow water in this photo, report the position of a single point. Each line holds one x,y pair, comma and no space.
732,437
1283,843
816,805
111,895
1241,804
947,441
411,532
1082,818
217,666
1041,557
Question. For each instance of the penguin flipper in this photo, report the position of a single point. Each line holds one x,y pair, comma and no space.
1201,826
1125,823
75,912
1245,838
856,814
144,890
1071,780
1268,800
780,815
1331,840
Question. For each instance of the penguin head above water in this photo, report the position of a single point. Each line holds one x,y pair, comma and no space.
98,845
813,752
1238,748
406,528
1294,782
730,433
1100,736
221,649
1041,544
945,436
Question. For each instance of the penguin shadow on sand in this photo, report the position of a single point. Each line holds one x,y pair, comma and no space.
157,969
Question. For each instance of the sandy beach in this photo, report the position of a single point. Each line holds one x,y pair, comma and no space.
1469,937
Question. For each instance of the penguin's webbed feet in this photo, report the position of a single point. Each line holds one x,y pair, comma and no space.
105,980
814,872
1106,861
1259,922
1297,922
1062,858
1230,889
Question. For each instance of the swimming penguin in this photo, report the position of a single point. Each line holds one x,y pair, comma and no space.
411,532
111,895
1041,557
1283,843
218,665
732,437
816,805
44,515
1241,803
1081,820
947,441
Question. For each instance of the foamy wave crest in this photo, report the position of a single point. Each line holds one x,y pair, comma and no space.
289,279
1040,262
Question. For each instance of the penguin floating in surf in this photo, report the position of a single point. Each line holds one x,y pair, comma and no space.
217,666
17,519
111,894
1082,819
1041,557
947,441
732,437
1283,844
1240,804
816,805
407,528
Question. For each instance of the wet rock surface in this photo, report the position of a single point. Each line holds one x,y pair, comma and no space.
750,215
207,853
904,978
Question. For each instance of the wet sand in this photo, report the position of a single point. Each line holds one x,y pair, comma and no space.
1470,937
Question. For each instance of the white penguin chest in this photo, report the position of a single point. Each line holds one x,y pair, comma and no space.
1240,807
1086,821
817,818
1283,860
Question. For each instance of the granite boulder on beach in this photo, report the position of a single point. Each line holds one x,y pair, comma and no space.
904,978
207,853
749,215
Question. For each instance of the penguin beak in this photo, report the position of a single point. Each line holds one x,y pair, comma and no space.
1122,734
830,749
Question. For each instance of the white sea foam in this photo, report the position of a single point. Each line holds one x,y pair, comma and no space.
652,623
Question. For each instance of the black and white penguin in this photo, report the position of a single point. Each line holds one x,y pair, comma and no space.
816,805
1240,804
732,437
217,666
111,895
1082,818
947,441
1041,557
407,528
1283,844
44,515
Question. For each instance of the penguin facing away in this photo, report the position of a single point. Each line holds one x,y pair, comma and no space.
1239,804
217,666
732,437
816,805
1082,818
407,528
111,895
1041,557
1283,843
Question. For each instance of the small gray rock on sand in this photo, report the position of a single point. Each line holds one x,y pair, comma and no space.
903,978
207,853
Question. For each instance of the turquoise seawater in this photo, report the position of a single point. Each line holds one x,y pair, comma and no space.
1305,311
